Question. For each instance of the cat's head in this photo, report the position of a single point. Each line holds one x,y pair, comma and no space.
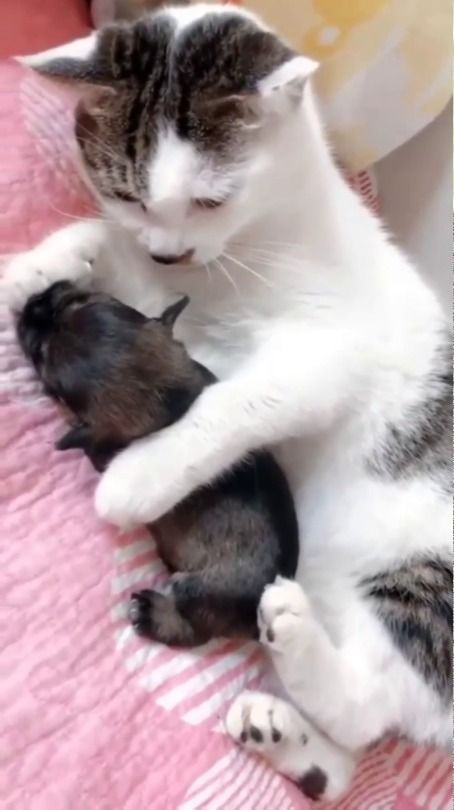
177,120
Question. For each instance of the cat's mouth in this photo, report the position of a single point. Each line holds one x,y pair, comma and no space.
171,260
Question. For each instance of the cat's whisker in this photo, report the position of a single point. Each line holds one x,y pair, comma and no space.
104,148
274,264
273,253
227,275
277,255
324,297
267,242
286,263
248,269
97,215
271,258
278,263
207,269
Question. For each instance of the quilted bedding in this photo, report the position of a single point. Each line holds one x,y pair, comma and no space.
93,718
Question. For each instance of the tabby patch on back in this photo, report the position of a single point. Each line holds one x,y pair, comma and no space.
421,441
415,603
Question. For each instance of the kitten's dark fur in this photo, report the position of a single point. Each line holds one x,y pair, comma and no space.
124,376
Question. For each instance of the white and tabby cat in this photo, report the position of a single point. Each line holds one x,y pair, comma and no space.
198,131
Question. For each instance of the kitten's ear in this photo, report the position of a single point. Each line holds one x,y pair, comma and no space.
283,89
172,312
77,438
80,438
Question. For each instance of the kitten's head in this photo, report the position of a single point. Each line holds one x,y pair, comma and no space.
177,119
120,374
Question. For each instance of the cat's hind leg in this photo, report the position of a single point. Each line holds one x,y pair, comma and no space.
273,728
342,689
156,616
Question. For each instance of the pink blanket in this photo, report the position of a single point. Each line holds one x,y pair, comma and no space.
93,718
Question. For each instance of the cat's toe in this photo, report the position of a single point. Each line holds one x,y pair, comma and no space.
283,596
257,721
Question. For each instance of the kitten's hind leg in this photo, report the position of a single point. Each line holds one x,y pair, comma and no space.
219,601
200,605
156,616
274,729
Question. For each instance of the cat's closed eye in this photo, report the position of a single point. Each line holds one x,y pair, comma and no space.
207,204
125,196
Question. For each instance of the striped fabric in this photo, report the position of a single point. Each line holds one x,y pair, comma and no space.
199,686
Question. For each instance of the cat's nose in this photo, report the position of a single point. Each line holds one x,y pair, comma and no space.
173,259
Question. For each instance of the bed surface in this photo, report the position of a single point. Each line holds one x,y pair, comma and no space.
92,717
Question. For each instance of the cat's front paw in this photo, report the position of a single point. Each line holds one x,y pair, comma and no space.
142,483
284,612
67,255
119,492
34,272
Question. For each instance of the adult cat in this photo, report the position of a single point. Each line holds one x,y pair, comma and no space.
198,131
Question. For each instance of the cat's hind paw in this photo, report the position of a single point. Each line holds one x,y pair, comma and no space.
258,721
266,725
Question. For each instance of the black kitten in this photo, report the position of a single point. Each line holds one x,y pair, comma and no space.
124,376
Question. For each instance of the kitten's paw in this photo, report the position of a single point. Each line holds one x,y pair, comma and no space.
283,612
67,255
259,722
140,612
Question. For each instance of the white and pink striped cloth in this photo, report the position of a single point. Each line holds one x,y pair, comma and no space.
92,718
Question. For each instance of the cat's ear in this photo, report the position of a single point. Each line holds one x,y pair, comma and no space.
172,312
276,94
283,89
73,62
101,58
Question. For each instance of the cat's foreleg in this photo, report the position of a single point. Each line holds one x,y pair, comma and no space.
296,384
